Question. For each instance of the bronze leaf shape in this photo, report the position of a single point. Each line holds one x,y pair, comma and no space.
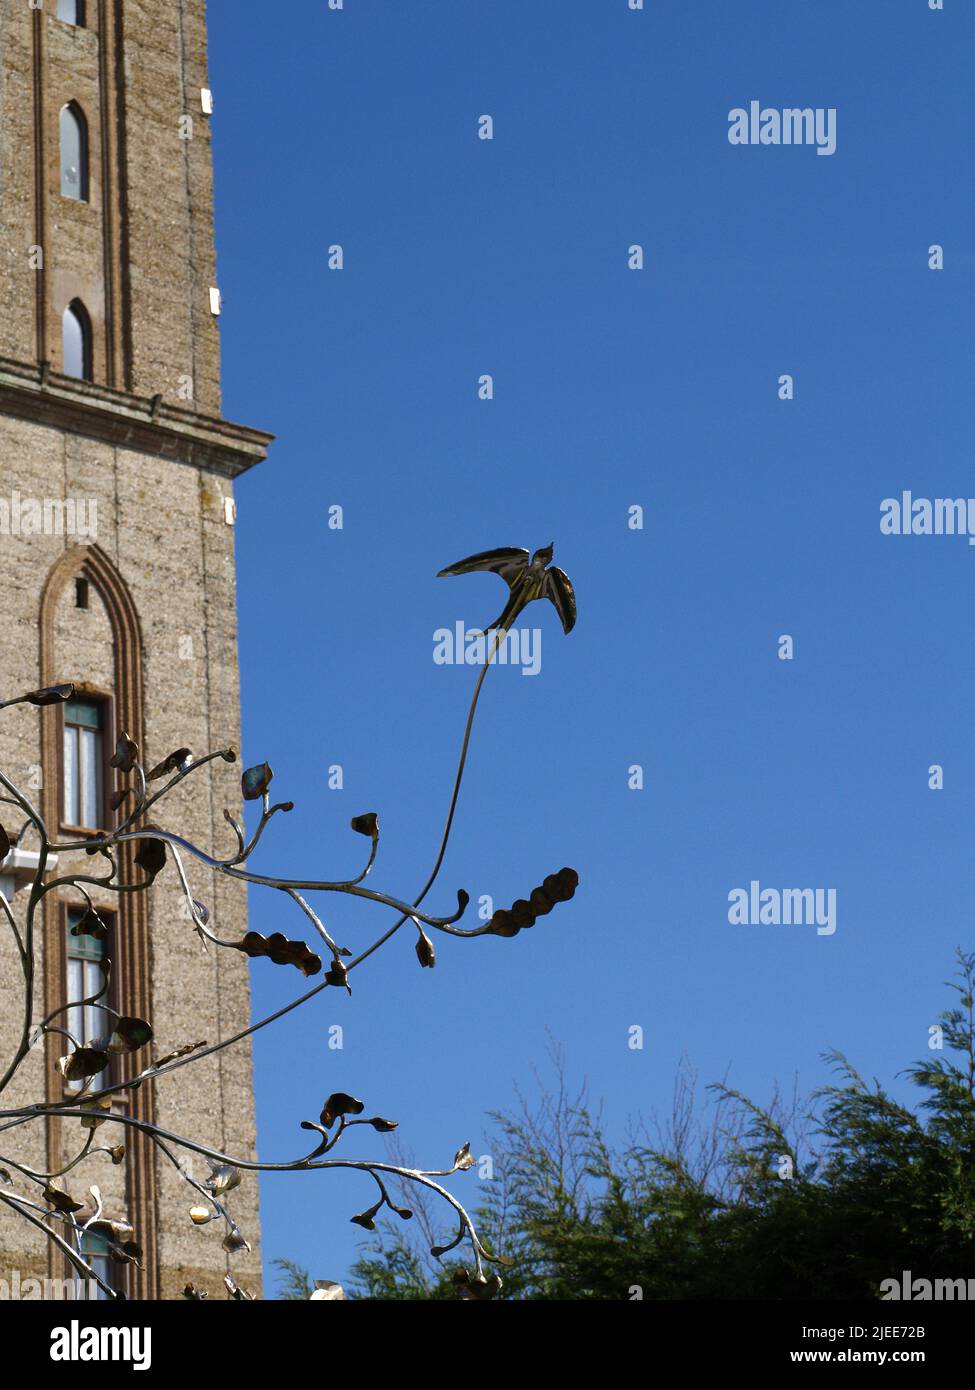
151,856
126,754
339,1103
50,695
171,764
280,951
255,781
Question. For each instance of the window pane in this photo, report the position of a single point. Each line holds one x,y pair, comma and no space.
75,1017
76,343
85,979
90,778
94,1248
71,11
83,947
71,775
74,155
85,712
76,1023
96,1019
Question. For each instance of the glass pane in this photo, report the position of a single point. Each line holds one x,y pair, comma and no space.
75,1017
95,1250
71,11
95,1017
83,947
76,345
70,775
74,156
86,712
102,1266
90,778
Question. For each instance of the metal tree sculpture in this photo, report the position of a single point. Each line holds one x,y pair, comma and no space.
46,1203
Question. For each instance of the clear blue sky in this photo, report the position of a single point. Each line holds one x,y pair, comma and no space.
612,388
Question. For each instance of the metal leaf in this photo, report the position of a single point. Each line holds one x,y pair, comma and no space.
476,1286
338,975
201,911
224,1177
366,825
383,1126
4,843
100,1107
90,924
557,888
151,856
365,1218
180,1052
171,764
200,1216
339,1103
117,1229
541,904
60,1200
521,913
83,1063
483,1290
560,887
126,754
118,1154
50,695
256,781
425,953
326,1290
463,1158
194,1294
281,951
235,1242
128,1035
502,924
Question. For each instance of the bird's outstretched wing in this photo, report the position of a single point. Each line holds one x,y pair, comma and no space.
558,588
509,562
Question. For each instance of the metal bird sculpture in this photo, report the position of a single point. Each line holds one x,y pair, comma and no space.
528,577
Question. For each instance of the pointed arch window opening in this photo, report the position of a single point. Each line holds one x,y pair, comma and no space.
76,327
74,153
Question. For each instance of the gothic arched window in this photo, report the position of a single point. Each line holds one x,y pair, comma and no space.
77,341
72,11
74,153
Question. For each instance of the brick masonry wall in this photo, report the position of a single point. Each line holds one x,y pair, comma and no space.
140,255
163,526
140,252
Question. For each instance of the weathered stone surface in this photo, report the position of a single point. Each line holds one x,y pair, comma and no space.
140,255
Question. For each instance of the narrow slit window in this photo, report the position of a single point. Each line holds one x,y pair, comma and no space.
74,153
77,341
83,764
81,593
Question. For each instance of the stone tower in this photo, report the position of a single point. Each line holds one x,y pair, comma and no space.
117,573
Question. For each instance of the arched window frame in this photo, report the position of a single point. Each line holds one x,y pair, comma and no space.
73,124
82,323
132,972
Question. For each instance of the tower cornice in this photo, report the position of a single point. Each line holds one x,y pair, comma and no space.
149,425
